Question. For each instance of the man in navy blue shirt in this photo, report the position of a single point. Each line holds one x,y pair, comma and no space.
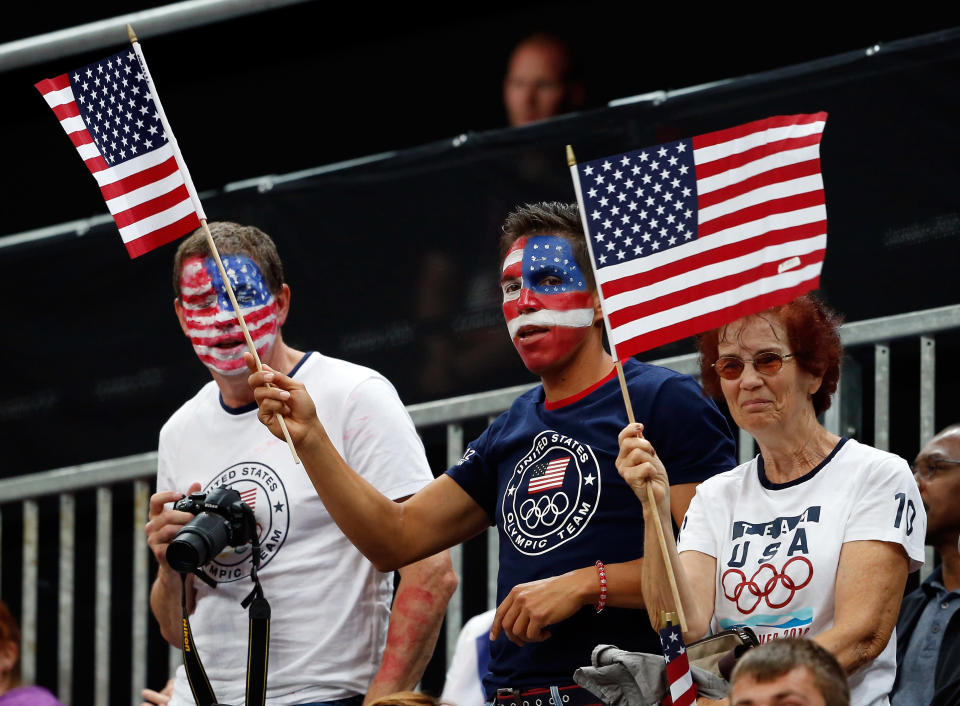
571,530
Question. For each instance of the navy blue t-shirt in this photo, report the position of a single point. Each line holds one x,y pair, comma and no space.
547,479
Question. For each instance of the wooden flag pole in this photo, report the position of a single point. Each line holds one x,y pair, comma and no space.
572,163
203,223
243,327
656,514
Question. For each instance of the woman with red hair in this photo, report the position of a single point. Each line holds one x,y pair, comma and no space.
814,536
11,693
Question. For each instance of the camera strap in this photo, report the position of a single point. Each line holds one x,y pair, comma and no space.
258,645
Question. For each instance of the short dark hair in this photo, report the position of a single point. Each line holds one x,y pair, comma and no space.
233,239
549,218
778,657
813,333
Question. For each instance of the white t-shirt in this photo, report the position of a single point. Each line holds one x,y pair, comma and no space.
463,684
330,607
778,545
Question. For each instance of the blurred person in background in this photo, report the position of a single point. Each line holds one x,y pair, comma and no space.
11,692
542,80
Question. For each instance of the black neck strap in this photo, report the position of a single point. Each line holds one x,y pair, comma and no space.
258,644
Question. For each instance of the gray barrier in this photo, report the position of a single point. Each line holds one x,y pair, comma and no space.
140,471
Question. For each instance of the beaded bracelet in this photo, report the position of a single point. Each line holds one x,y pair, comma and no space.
602,573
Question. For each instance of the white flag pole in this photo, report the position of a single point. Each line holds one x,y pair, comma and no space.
182,165
572,163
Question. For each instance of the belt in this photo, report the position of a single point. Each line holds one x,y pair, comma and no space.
547,696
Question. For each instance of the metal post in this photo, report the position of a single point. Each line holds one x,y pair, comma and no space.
745,443
881,397
831,418
28,613
455,607
928,364
65,600
138,633
101,675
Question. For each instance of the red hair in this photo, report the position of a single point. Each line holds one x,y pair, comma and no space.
813,334
10,633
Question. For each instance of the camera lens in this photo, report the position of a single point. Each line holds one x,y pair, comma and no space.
198,542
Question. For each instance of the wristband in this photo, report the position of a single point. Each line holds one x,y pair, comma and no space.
602,574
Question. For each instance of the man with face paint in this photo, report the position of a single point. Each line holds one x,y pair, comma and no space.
333,637
571,533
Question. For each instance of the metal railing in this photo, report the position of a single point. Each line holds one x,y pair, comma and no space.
140,471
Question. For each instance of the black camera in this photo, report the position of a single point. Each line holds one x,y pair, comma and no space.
222,518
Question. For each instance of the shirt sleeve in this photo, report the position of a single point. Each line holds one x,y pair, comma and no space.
889,509
697,532
380,441
689,433
476,472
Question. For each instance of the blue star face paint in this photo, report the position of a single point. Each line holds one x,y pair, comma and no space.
546,301
210,320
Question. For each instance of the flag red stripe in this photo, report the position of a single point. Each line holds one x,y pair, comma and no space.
732,133
773,176
140,179
80,138
711,320
162,236
761,210
706,289
52,84
151,207
677,667
726,252
96,164
709,169
66,110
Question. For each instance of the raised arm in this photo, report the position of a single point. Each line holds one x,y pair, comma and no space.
388,533
639,465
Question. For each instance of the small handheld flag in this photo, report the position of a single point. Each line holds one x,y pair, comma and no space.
683,690
112,115
695,233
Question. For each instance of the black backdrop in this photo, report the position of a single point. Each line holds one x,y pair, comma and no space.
392,264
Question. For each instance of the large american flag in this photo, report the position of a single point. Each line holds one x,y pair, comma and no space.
683,690
692,234
112,117
547,475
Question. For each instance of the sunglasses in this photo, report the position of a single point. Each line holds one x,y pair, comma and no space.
730,367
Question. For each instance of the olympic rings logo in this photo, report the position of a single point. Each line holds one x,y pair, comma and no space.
748,594
544,510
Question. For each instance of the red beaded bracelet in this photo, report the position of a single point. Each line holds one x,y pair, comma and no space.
602,573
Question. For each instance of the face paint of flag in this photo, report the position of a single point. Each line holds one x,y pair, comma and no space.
683,690
541,274
545,476
211,322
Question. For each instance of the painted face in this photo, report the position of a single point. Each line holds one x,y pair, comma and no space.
758,401
546,301
210,320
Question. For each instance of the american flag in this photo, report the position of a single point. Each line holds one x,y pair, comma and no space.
692,234
112,117
547,475
249,496
683,690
